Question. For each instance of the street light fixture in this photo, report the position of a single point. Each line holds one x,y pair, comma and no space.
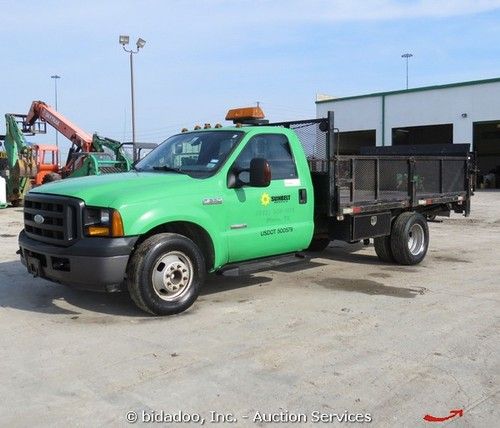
140,43
124,41
406,56
56,77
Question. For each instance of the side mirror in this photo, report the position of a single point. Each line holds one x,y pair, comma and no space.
260,173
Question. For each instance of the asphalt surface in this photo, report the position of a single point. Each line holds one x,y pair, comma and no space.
340,333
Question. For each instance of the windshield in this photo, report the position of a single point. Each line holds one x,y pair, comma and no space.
201,153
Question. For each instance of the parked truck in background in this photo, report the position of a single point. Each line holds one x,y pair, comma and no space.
209,199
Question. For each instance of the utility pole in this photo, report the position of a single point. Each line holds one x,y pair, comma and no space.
56,77
406,56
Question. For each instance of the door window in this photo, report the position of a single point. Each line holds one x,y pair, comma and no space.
275,148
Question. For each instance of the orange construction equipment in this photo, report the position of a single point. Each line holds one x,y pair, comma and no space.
77,136
47,161
82,141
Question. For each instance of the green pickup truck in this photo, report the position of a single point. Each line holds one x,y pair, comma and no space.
209,199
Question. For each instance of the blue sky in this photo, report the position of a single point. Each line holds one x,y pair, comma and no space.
203,57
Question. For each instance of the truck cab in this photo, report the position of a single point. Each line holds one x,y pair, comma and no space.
219,195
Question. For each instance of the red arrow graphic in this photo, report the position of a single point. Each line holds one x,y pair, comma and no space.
453,413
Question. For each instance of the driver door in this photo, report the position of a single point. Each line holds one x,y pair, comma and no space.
266,221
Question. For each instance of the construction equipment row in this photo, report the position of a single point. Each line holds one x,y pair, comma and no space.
24,165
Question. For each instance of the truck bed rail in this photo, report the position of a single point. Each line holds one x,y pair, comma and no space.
377,182
381,181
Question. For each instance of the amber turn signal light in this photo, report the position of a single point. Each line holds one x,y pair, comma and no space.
98,231
116,224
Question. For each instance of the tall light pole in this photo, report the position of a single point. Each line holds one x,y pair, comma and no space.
56,77
406,56
140,44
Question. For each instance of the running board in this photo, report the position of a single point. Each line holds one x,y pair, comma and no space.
265,263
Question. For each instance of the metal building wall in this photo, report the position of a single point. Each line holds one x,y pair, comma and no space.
478,102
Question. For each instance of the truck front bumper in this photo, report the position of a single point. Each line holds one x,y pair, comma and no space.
97,264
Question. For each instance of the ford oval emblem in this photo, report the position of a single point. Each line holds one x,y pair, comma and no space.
38,219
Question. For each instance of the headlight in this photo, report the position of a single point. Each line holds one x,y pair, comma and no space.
102,222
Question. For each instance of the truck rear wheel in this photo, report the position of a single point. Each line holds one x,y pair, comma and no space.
383,249
165,274
409,238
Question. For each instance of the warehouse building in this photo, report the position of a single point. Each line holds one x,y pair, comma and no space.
465,112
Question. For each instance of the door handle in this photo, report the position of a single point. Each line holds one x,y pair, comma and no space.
302,196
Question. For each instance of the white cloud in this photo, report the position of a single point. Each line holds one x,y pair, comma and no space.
355,10
237,12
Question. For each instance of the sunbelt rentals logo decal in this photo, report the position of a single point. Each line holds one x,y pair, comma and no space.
266,199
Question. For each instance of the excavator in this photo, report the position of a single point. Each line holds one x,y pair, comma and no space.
25,165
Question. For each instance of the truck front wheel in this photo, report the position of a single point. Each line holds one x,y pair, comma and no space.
409,238
165,274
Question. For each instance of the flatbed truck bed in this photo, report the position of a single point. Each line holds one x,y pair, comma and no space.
348,188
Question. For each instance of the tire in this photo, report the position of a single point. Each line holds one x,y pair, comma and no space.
149,286
409,238
50,177
318,244
383,249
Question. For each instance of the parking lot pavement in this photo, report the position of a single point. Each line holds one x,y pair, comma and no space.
342,332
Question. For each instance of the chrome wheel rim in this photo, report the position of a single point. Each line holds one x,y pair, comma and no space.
172,275
416,239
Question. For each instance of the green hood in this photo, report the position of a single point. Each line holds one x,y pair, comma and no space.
111,189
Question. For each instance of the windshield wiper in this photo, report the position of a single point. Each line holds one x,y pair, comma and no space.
168,169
